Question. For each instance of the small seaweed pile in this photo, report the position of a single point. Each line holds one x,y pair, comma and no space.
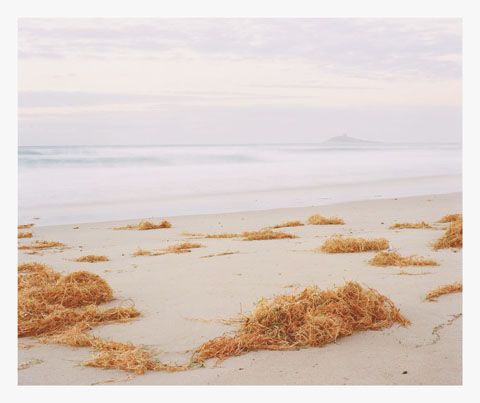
287,224
217,236
182,248
221,254
453,237
445,289
450,218
310,318
24,235
114,355
25,226
418,225
92,259
145,226
185,247
42,245
352,245
141,252
262,235
394,259
317,219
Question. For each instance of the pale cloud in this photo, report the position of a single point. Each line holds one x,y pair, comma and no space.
367,46
220,69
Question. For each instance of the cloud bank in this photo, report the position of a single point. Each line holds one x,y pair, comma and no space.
264,71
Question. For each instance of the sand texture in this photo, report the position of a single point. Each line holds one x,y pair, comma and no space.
177,293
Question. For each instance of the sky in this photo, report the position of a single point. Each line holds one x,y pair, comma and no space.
237,81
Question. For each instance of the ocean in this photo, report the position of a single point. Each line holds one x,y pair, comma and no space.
76,184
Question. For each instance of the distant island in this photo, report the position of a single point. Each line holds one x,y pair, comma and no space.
344,139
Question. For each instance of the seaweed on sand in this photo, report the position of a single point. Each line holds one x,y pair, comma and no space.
317,219
50,303
182,248
309,318
185,247
92,259
221,254
418,225
43,245
266,235
287,224
394,259
141,252
145,226
339,244
453,237
25,226
445,289
62,308
262,235
450,218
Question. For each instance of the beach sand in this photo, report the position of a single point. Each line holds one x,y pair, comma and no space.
172,290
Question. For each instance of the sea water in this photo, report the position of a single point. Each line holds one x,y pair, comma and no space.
74,184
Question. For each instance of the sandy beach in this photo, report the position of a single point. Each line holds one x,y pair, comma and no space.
178,293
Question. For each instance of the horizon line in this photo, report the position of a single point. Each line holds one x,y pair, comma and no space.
231,144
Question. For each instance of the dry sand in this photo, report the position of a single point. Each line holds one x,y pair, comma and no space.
170,289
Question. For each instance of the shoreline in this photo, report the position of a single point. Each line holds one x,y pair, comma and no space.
275,211
246,201
175,293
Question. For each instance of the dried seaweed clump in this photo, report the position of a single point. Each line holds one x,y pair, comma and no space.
185,247
263,235
25,226
446,289
317,219
130,358
146,225
114,355
49,303
24,235
221,254
43,245
141,252
182,248
453,237
92,259
310,318
417,225
215,236
78,289
287,224
394,259
450,218
195,234
27,364
352,245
